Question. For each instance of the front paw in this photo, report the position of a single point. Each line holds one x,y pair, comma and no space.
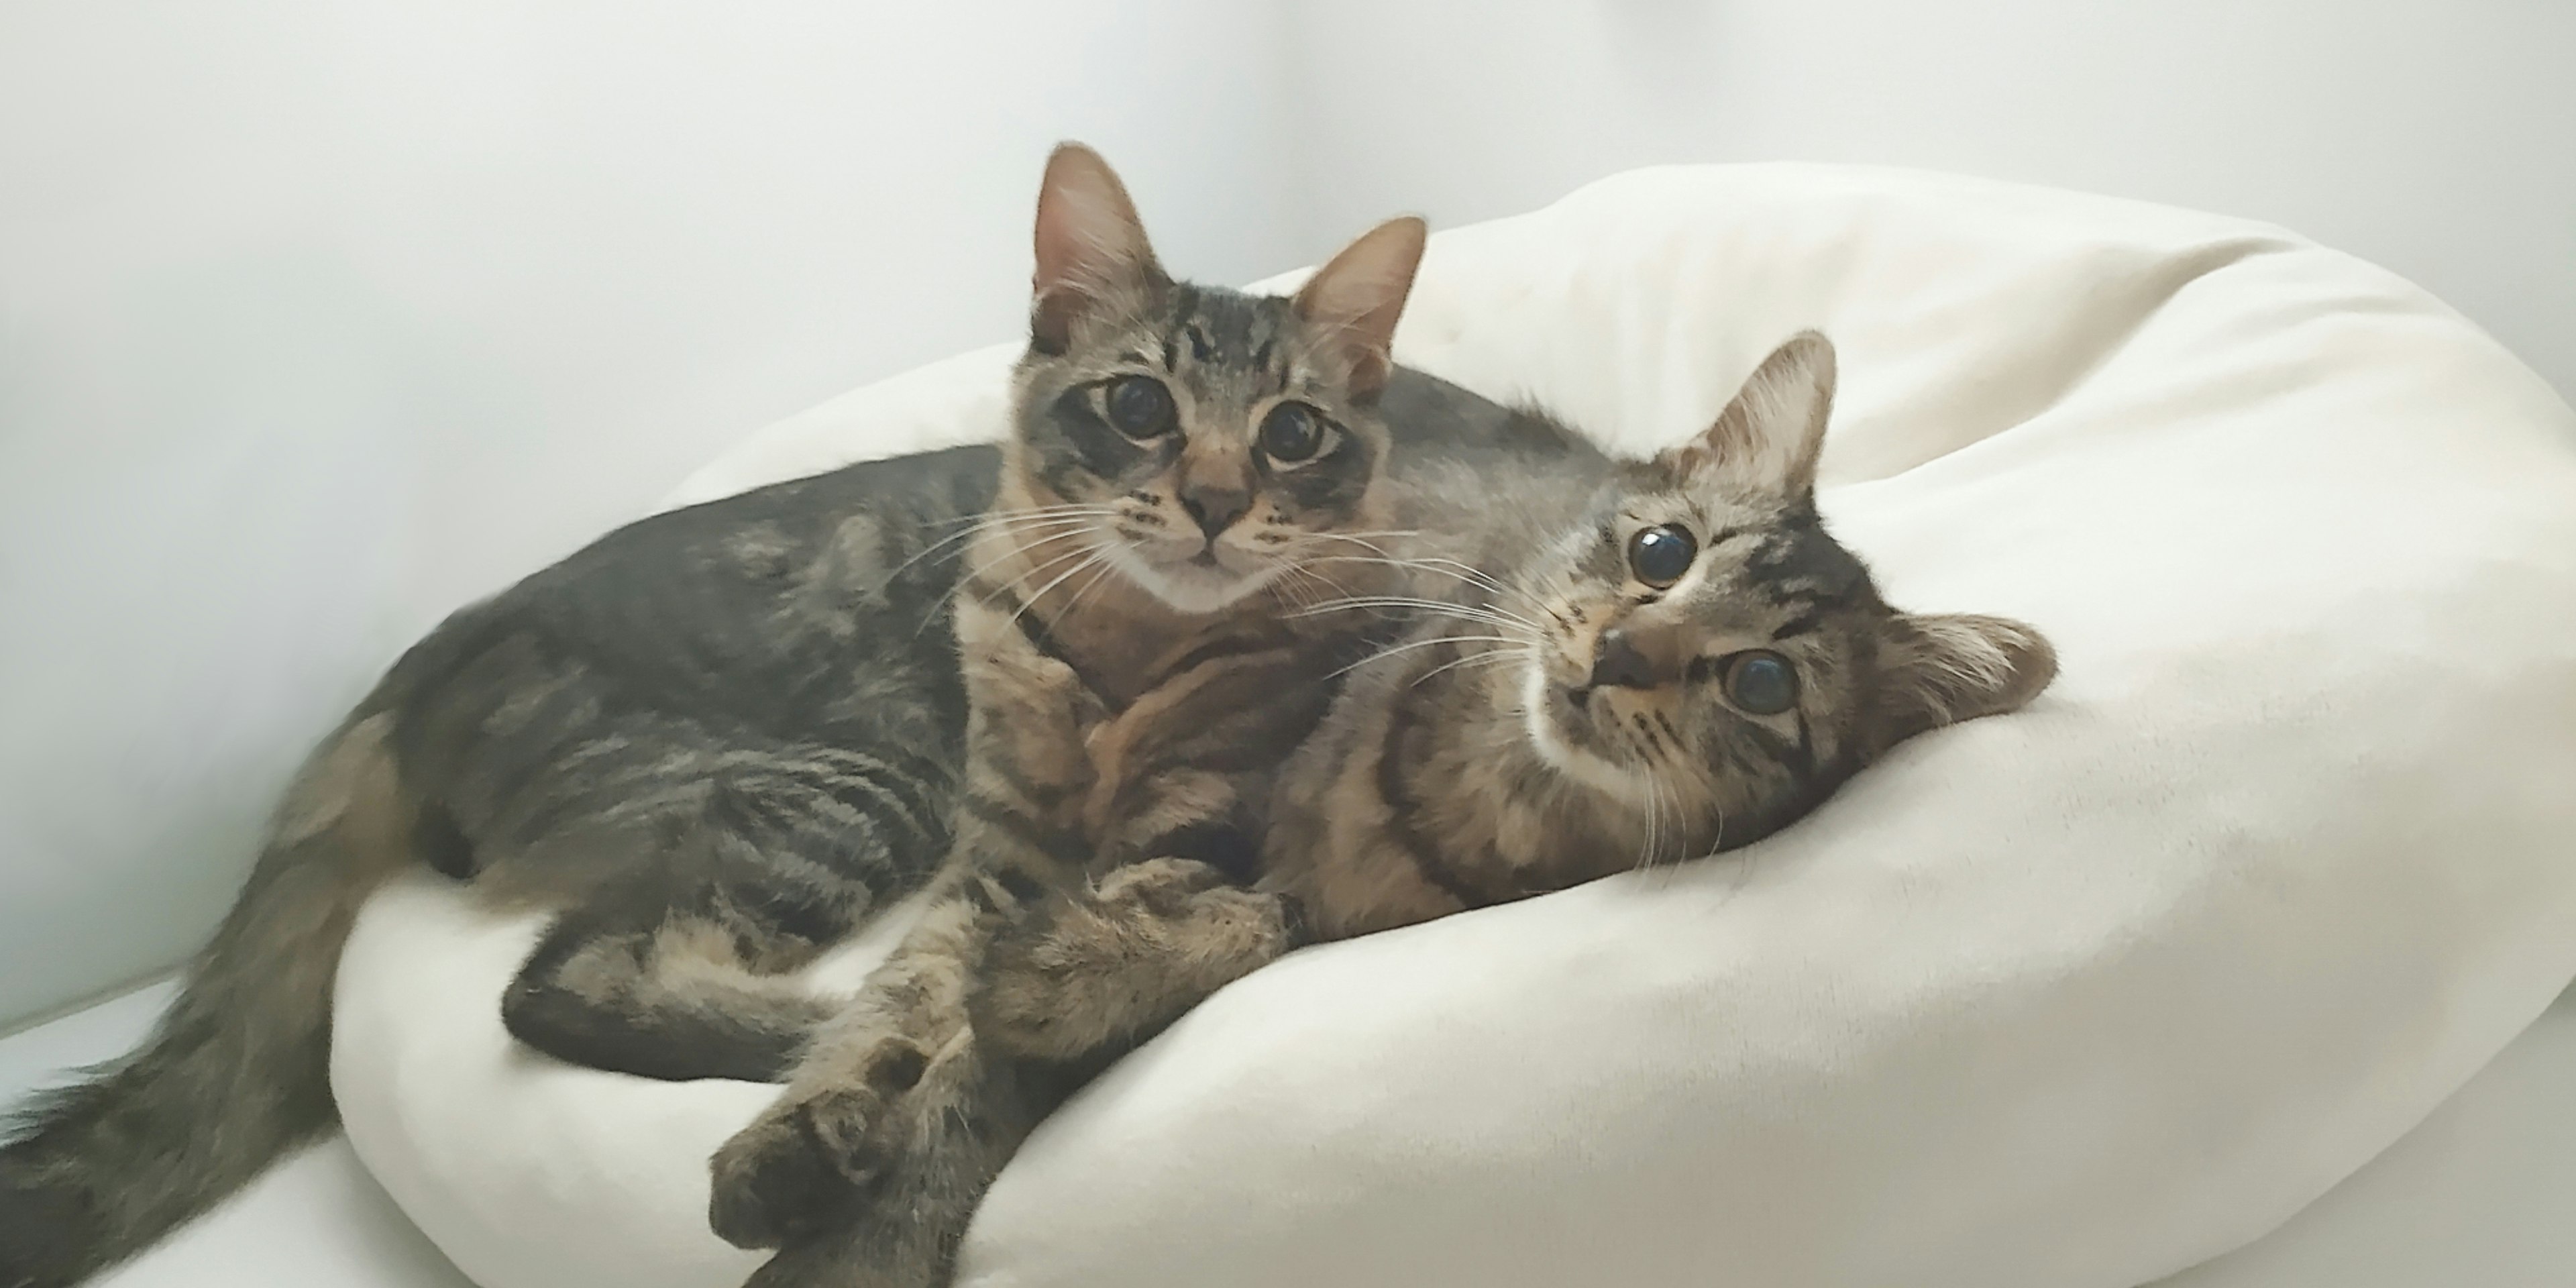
806,1162
1207,915
791,1172
1160,886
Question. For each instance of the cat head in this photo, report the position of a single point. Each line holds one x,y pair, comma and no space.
1709,649
1194,437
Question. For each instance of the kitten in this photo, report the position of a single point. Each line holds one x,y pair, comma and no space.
1203,465
1680,663
719,740
1693,663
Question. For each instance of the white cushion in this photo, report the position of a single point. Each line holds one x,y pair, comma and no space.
2076,997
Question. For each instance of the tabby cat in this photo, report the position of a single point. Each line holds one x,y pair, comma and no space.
1137,668
1675,662
717,741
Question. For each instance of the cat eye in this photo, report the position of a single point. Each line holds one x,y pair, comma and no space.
1661,554
1761,682
1292,433
1138,406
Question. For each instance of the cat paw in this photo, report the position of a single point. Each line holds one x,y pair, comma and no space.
1161,886
1104,972
799,1167
1206,908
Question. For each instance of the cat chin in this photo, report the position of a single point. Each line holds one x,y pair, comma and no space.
1189,588
1541,702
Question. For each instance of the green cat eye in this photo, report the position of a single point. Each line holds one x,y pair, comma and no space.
1291,433
1761,682
1661,554
1138,406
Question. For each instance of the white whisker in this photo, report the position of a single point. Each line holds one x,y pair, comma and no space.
1035,511
1447,568
1098,554
1385,653
1010,521
1038,570
1075,601
1489,616
1489,656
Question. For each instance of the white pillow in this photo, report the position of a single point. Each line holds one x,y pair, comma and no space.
2075,997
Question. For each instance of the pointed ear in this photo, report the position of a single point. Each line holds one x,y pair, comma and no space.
1091,246
1357,297
1768,439
1936,670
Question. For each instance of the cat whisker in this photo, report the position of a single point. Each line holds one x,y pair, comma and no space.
1039,570
1448,568
1031,547
1304,570
1098,555
1290,586
1035,511
1743,864
1646,844
1025,577
1489,616
1670,835
1409,646
1365,535
1391,599
1075,601
1656,792
978,525
1023,520
1489,656
1307,566
1460,569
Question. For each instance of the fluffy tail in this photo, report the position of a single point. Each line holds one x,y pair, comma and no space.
238,1071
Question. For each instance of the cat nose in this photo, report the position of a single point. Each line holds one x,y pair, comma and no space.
1214,507
1617,663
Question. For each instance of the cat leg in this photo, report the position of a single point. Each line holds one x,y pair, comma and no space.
906,1143
803,1165
955,1131
635,982
1088,974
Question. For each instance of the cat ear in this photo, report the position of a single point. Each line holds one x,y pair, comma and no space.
1768,439
1937,670
1091,246
1358,296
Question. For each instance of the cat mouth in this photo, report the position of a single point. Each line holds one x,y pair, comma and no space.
1562,721
1208,566
1577,719
1200,582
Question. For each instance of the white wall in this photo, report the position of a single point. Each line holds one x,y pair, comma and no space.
2437,137
320,318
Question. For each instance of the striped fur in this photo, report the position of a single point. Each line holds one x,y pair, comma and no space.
716,741
1551,718
1139,661
711,743
1498,750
